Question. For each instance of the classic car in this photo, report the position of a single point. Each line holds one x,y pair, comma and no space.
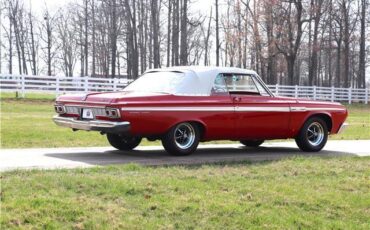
182,106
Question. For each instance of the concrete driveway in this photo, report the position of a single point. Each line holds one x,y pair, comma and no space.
52,158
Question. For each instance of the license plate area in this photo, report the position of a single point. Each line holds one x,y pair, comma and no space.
87,114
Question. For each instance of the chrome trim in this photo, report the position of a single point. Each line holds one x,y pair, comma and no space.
230,108
342,127
92,102
74,109
86,106
304,109
264,85
180,109
262,109
325,109
298,109
210,109
92,125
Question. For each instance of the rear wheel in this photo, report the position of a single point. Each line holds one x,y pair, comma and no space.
313,135
252,143
123,142
182,139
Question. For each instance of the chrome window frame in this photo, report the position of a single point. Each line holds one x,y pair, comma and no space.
255,77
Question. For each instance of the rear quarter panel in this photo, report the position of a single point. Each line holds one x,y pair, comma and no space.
336,112
157,116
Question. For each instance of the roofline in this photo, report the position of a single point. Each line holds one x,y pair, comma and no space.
196,69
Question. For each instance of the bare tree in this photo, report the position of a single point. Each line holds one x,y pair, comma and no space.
175,32
290,34
316,8
362,55
184,27
217,35
155,8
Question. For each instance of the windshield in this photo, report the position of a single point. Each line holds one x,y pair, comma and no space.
158,82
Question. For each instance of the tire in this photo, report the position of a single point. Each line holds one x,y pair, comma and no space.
123,142
182,139
252,143
313,135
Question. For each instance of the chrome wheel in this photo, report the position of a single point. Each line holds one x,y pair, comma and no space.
184,135
315,134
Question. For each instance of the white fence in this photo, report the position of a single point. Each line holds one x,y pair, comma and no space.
60,85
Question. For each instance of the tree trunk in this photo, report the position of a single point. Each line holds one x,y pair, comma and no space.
113,37
290,64
217,37
86,41
206,46
315,46
48,31
169,33
362,56
346,46
33,50
330,43
184,34
175,33
93,69
10,46
155,24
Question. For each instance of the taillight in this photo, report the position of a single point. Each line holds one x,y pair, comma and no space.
59,109
112,112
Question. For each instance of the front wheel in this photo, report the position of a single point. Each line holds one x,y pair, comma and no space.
182,139
123,142
313,135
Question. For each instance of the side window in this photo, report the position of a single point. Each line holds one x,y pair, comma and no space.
243,84
219,86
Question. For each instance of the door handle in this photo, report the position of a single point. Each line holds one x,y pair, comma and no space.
237,99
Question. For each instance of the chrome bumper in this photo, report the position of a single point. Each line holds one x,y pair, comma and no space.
93,125
342,128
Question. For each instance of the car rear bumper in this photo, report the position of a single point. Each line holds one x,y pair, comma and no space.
342,128
93,125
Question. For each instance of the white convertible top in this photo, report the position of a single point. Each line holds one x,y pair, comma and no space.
199,80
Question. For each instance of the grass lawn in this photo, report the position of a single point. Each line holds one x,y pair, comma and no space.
26,123
296,193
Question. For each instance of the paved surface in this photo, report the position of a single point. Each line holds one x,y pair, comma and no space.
51,158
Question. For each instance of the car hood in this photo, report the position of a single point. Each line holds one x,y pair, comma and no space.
106,97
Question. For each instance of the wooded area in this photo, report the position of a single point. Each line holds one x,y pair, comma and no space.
294,42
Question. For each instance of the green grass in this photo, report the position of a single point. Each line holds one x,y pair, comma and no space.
30,96
27,123
296,193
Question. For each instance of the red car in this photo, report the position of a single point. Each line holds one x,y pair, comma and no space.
182,106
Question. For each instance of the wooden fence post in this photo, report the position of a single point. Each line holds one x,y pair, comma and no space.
349,95
332,93
114,84
366,96
277,89
296,91
86,84
57,85
23,87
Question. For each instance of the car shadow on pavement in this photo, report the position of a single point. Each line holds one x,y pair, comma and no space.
201,156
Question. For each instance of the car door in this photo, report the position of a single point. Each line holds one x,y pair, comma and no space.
221,120
258,114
